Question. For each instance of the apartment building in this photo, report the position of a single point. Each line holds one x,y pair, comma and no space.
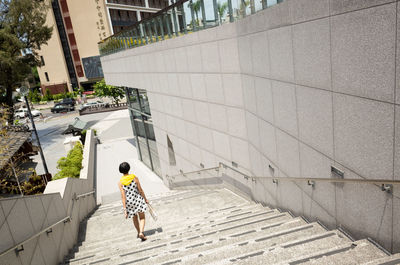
71,57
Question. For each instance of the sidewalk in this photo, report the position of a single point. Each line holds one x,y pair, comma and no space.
117,146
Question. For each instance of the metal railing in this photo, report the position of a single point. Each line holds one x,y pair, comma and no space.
20,246
180,18
385,184
84,195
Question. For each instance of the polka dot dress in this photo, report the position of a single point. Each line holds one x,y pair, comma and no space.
134,201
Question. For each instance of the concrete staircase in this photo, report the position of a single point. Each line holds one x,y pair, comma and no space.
217,227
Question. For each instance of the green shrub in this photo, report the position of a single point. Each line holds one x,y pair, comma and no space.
47,96
34,96
70,166
42,102
58,96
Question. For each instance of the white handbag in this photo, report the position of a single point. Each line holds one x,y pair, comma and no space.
152,212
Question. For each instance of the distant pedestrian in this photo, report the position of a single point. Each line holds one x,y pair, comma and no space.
133,199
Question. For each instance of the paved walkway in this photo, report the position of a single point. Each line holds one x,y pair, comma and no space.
117,146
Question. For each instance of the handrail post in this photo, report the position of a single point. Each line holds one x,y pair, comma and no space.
161,27
203,13
154,22
215,6
182,10
230,11
194,26
175,22
168,25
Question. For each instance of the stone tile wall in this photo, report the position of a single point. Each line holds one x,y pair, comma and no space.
299,87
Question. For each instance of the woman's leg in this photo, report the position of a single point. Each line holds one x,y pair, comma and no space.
142,221
136,223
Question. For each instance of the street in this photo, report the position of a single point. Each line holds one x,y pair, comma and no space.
51,138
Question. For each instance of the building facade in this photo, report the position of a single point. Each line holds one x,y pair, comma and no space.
71,57
296,90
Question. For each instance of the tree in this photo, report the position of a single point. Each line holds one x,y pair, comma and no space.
101,89
22,32
221,8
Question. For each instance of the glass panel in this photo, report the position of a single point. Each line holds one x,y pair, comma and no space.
222,11
258,5
141,136
271,2
210,13
133,99
144,101
153,145
191,15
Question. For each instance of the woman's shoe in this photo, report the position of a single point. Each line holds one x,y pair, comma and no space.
142,237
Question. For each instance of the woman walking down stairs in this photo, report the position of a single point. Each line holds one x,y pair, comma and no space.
218,227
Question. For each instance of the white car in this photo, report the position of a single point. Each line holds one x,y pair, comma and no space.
97,103
23,112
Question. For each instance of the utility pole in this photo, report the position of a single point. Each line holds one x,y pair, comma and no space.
24,91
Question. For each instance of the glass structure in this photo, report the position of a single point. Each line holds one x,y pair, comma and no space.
142,125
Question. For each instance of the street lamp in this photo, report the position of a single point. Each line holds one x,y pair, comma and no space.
24,91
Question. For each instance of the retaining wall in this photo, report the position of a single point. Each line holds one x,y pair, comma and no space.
22,218
298,87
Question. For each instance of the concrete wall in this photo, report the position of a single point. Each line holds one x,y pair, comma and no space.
301,86
21,218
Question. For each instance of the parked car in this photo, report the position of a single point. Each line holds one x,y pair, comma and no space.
68,101
61,107
95,104
23,112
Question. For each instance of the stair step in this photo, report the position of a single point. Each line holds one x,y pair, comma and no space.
218,244
164,252
201,202
390,260
221,228
172,197
288,250
171,227
217,227
252,242
357,252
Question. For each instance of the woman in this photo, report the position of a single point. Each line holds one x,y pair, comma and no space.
133,199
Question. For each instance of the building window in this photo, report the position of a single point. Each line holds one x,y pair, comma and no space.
42,60
47,76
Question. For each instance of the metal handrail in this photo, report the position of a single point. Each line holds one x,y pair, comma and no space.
386,184
336,180
84,195
142,21
46,230
191,172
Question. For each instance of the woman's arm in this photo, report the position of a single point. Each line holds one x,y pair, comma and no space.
123,197
140,189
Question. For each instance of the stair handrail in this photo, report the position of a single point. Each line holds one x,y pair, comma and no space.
84,194
47,230
386,184
191,172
